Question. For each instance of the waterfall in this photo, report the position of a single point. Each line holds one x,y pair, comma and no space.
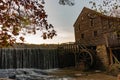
28,58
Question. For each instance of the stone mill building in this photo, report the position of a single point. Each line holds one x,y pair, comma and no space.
100,31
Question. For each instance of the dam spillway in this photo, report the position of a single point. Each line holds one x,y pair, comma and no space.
37,58
28,58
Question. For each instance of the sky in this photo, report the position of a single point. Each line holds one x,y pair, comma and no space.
62,17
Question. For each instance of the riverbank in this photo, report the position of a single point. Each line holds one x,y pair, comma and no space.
74,74
96,76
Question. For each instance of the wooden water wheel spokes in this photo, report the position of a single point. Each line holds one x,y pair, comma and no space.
85,57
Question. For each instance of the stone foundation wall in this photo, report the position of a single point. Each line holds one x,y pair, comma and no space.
103,55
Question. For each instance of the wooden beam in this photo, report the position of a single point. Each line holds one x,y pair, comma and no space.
111,56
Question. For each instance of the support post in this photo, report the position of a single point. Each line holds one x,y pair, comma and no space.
111,56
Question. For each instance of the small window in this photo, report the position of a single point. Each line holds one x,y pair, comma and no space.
91,22
82,36
95,33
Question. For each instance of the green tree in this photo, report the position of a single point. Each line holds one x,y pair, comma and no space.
23,17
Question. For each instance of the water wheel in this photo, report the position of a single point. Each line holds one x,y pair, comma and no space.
85,58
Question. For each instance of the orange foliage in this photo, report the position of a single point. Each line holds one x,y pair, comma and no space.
17,15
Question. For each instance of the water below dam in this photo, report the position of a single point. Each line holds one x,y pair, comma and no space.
53,74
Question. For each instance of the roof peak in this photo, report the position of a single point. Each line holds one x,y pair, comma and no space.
100,14
97,13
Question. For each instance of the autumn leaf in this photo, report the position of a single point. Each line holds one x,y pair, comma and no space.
2,7
22,38
44,36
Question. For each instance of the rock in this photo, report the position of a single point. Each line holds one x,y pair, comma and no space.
12,76
41,72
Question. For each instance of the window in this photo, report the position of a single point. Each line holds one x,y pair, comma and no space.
82,36
77,28
91,17
95,33
91,22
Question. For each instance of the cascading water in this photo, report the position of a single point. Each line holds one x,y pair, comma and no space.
28,63
28,58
